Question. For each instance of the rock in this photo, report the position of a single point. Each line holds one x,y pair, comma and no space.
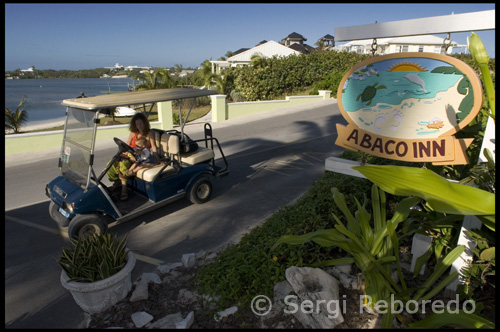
163,269
185,296
186,322
318,301
140,291
200,254
174,266
210,257
141,318
224,313
167,322
348,281
189,260
281,290
151,277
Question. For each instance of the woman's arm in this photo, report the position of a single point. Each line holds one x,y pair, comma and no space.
152,141
130,136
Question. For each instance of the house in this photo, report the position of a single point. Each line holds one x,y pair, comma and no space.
296,42
267,49
424,43
327,42
29,70
292,44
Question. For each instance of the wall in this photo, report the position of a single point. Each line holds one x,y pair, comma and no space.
222,111
29,142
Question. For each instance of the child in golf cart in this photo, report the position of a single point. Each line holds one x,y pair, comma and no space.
143,157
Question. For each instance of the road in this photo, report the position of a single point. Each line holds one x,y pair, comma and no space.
274,157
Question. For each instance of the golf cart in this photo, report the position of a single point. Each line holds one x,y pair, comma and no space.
83,203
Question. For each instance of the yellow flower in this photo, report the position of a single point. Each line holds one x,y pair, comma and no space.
477,50
275,258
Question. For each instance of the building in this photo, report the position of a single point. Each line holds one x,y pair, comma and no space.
327,42
424,43
29,70
292,44
128,68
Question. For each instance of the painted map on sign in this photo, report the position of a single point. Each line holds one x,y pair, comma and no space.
407,97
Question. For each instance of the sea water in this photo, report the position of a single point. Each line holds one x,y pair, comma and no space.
394,87
43,97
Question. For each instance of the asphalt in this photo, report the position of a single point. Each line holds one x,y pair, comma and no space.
70,319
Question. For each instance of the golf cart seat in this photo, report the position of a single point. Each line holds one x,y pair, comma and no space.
169,150
168,147
200,155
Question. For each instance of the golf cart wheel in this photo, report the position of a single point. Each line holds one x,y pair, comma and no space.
200,191
86,224
57,216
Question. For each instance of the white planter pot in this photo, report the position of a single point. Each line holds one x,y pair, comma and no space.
94,297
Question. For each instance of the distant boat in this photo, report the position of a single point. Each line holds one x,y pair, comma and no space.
123,111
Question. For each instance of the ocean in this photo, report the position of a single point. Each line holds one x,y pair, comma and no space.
43,97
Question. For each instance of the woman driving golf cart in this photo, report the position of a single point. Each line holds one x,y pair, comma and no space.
139,127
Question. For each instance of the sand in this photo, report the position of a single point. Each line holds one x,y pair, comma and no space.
409,119
42,126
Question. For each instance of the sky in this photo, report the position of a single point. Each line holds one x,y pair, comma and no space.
76,36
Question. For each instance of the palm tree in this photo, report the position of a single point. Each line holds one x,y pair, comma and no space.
320,45
14,120
207,77
159,79
258,60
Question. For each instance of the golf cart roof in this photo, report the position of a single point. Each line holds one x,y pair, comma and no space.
135,97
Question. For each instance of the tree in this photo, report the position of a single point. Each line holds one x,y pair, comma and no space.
205,74
159,79
14,120
258,60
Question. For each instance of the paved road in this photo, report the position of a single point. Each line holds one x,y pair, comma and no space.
274,157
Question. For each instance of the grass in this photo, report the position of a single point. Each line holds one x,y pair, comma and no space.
249,268
196,113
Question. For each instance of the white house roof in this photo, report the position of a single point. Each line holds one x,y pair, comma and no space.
268,50
412,40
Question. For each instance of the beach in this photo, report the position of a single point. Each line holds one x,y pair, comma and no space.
411,118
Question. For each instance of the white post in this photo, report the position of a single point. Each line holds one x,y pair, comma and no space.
471,222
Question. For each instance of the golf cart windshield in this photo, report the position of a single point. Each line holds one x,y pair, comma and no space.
77,145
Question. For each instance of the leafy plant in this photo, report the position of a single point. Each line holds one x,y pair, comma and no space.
15,119
94,257
372,245
460,320
475,273
478,52
440,194
482,175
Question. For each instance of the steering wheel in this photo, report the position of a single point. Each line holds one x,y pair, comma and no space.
122,146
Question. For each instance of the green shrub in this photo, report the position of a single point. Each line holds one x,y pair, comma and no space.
94,257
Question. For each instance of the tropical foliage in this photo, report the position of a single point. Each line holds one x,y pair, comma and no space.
94,257
15,119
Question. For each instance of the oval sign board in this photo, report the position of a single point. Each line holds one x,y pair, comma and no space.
407,106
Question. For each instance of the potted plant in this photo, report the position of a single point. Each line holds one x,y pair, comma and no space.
97,271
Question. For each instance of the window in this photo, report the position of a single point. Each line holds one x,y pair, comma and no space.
402,48
420,48
439,49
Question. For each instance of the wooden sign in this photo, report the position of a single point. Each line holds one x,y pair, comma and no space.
407,106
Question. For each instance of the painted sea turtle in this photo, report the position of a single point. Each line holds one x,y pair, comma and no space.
369,92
